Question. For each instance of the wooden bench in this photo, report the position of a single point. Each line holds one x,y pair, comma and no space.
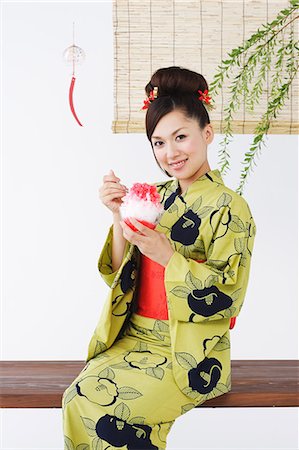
255,383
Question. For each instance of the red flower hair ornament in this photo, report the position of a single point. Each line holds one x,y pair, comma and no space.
153,94
203,96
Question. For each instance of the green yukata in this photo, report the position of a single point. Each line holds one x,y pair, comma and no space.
142,373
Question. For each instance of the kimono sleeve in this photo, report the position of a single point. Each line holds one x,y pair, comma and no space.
214,289
105,259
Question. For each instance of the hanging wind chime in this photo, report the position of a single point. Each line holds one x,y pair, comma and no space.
73,55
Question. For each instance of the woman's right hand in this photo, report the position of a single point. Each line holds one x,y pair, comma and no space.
111,192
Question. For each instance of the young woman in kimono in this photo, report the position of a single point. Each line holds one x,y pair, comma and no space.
162,343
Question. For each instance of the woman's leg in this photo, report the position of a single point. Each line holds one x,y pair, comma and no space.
126,397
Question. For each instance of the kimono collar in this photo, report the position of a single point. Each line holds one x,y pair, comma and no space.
202,182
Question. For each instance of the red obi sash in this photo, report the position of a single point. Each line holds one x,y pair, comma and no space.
151,295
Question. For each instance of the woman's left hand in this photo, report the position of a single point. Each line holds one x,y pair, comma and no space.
151,243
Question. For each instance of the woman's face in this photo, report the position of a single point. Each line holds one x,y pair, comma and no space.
178,138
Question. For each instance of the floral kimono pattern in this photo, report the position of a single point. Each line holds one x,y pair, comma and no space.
209,222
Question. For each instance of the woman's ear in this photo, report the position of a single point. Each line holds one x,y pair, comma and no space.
208,133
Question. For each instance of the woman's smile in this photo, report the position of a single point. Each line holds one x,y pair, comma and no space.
178,165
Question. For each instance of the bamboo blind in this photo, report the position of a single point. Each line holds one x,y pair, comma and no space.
197,35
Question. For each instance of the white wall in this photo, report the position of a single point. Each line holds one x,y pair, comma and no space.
54,225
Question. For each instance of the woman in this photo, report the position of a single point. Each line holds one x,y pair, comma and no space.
162,343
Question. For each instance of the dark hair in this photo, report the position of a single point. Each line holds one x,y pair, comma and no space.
177,89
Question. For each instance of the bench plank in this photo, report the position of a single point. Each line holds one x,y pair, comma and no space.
255,383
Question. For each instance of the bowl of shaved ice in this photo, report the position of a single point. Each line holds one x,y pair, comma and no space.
143,202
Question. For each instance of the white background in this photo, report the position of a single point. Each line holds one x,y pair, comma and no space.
54,225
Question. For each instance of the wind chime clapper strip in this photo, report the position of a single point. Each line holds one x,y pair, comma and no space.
71,101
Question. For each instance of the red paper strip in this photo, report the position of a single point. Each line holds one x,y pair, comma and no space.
71,100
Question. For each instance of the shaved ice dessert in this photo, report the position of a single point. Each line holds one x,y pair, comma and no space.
142,202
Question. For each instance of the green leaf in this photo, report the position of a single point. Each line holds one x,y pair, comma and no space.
193,282
140,347
82,447
122,411
211,280
204,211
222,344
140,433
224,200
122,365
190,392
185,360
97,444
173,208
107,373
218,390
156,372
137,419
239,244
197,204
71,393
89,426
236,224
187,407
69,445
230,312
180,291
158,335
128,393
161,326
100,347
206,376
188,223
